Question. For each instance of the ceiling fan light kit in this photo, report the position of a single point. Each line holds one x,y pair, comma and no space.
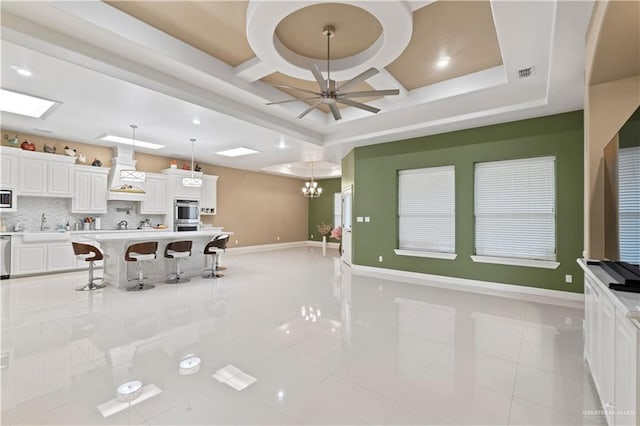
330,94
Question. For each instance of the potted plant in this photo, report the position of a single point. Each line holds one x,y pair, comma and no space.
336,234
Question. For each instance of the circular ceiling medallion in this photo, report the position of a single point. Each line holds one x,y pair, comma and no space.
378,48
356,30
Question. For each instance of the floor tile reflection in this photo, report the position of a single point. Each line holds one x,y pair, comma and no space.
327,346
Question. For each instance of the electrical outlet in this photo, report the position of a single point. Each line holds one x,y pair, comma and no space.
236,241
277,238
312,237
379,258
568,320
568,279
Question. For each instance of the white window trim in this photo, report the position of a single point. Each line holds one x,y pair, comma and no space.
531,263
430,254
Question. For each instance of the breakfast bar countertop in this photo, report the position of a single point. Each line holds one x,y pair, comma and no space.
164,235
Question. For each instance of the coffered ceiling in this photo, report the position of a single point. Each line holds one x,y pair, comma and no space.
166,62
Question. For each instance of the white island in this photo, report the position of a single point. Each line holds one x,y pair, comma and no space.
118,272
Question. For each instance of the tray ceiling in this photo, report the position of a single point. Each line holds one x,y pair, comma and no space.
162,63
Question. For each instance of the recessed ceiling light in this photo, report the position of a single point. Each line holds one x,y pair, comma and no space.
22,71
237,152
19,103
443,61
196,121
128,141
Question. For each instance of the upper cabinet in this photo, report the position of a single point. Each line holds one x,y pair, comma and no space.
44,175
208,195
155,196
175,189
9,168
90,190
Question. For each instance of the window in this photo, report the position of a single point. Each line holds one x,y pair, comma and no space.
426,212
629,203
337,209
515,212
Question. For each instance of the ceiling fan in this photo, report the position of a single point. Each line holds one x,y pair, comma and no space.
329,94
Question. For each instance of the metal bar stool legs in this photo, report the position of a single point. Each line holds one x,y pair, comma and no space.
91,254
139,253
213,249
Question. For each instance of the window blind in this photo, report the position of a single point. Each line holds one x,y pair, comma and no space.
629,204
426,209
515,208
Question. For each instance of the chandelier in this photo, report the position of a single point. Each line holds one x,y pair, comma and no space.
192,182
132,175
310,314
311,189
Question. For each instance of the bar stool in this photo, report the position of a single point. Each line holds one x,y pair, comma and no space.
139,253
213,249
178,250
91,254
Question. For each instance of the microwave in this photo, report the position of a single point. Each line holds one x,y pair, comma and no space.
187,212
6,199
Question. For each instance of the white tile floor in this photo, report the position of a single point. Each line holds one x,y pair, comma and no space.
380,351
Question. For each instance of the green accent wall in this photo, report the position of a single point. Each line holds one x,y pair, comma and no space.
375,178
629,134
321,208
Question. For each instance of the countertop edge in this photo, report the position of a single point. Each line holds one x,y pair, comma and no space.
615,295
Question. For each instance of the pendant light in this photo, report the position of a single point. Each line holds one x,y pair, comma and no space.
132,175
311,189
192,182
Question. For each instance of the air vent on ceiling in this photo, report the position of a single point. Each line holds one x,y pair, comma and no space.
526,72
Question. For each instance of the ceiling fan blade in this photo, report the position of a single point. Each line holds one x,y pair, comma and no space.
358,78
318,76
308,110
292,100
390,92
335,111
358,105
284,86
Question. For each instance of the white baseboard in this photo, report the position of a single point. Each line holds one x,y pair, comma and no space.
319,244
278,246
533,294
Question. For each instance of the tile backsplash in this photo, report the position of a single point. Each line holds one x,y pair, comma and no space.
58,211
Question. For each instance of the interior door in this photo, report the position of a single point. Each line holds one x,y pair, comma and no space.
347,199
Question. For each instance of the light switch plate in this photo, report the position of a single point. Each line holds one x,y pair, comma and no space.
367,219
359,219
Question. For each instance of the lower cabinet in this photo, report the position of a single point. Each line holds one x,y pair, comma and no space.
60,257
28,258
613,354
44,256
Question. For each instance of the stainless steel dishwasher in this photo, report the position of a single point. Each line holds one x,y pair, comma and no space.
5,256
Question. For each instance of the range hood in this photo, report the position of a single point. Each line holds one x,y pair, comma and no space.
119,189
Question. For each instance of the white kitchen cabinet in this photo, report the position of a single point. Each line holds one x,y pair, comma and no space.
626,393
60,256
155,197
208,195
612,350
9,168
90,190
45,175
175,189
28,258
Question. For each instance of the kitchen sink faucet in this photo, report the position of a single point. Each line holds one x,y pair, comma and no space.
43,221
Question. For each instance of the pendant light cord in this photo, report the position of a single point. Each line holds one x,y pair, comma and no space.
192,142
328,63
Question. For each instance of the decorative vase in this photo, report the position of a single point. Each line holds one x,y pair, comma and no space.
324,245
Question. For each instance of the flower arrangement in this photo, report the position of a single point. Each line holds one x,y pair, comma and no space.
325,229
336,233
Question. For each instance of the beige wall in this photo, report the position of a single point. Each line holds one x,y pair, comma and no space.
608,105
257,207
